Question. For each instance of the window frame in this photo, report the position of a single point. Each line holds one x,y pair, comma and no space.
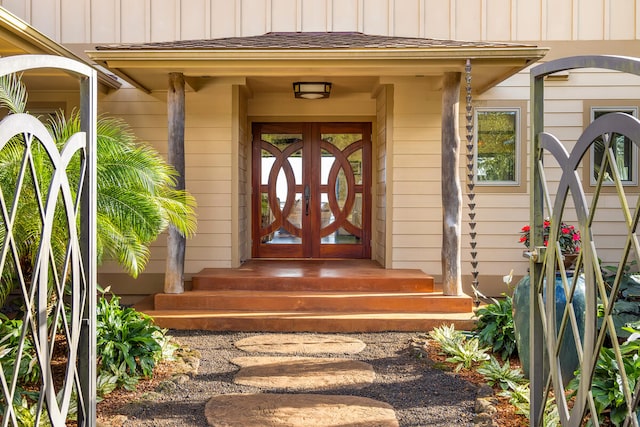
589,182
519,184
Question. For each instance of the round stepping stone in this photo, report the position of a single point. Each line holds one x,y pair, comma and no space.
302,373
297,410
300,343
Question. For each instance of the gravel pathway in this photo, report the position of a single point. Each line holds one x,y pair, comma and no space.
420,394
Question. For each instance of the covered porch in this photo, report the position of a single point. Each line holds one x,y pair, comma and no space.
404,91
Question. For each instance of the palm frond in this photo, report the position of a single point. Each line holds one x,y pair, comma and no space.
13,93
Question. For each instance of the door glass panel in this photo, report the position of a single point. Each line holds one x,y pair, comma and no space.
287,234
282,216
341,140
337,165
342,189
355,161
355,217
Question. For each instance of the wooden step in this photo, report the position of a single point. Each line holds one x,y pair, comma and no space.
350,277
307,321
297,301
310,296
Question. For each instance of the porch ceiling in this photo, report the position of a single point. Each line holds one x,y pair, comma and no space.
276,59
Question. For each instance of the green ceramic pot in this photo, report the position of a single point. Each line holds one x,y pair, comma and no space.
521,310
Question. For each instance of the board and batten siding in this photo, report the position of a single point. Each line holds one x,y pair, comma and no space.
126,21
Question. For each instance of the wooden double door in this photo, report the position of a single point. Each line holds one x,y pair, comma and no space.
311,193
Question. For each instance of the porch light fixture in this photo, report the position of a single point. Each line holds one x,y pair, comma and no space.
312,90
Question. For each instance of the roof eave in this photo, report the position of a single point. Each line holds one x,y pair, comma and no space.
373,61
533,53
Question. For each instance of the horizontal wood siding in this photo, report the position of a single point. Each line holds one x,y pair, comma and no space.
500,216
417,206
124,21
208,139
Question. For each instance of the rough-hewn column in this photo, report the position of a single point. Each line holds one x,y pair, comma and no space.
174,274
451,191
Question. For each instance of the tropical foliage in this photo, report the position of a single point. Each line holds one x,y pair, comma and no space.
607,384
462,350
129,345
136,197
495,327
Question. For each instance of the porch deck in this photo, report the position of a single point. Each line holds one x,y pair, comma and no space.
312,296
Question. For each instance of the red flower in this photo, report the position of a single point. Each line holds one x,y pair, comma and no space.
568,237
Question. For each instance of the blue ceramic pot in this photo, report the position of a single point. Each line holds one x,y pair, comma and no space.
521,310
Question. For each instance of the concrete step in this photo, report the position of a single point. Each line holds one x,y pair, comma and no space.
299,301
313,275
307,321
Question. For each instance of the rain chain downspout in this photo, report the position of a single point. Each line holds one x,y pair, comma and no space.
471,186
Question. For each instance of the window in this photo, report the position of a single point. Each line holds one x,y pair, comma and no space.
625,152
497,154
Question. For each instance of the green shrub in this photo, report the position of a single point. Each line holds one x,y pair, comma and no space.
501,375
626,308
128,345
10,332
606,385
446,334
460,349
466,353
520,398
495,327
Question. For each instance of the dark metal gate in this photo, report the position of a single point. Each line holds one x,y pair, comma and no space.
58,294
546,338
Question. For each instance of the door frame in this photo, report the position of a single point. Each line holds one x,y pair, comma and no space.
311,246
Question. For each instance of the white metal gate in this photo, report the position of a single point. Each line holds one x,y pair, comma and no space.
570,194
59,293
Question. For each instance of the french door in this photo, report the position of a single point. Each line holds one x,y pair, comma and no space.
311,190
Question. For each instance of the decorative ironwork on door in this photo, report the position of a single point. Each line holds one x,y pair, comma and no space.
547,338
58,290
311,188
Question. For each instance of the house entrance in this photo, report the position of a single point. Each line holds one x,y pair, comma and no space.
311,190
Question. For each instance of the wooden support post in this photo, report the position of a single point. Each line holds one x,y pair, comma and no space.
451,191
174,274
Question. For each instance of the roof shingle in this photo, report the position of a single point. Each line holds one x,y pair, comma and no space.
304,40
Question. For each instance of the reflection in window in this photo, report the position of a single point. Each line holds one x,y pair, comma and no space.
498,146
624,151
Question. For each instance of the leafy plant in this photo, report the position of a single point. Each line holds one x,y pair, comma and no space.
444,334
466,353
462,350
501,375
495,327
520,398
28,368
606,385
626,308
129,344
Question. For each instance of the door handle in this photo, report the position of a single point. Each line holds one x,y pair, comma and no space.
307,198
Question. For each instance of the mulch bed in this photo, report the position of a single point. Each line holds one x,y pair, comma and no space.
506,415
